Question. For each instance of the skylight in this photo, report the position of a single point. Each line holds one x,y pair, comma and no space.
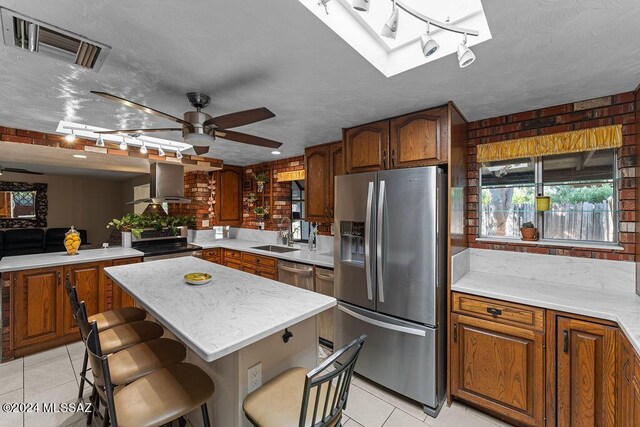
361,30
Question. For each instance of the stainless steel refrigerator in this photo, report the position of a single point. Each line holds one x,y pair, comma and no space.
390,277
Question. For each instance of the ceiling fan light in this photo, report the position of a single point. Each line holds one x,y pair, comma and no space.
100,141
390,28
361,5
161,152
198,139
429,45
465,56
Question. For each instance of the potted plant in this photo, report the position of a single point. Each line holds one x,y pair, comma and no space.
128,225
529,231
251,200
260,214
261,178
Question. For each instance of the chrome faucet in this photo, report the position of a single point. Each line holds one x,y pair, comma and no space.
289,233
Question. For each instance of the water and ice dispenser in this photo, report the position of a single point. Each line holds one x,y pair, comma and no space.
352,242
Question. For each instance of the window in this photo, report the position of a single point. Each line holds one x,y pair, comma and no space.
299,226
582,188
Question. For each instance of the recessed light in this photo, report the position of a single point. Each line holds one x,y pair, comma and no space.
79,156
276,152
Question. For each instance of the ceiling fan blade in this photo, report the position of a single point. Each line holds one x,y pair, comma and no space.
128,131
140,107
17,170
246,138
240,118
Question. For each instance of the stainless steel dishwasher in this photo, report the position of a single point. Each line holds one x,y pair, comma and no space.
296,274
324,285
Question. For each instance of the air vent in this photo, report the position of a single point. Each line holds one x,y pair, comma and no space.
38,37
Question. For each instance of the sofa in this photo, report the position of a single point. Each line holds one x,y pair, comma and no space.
26,241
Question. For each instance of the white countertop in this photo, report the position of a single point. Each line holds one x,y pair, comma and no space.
25,262
321,259
621,306
232,311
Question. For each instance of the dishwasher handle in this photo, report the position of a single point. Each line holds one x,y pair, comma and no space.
322,276
305,271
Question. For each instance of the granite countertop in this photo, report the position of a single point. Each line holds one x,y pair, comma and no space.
232,311
25,262
321,259
618,305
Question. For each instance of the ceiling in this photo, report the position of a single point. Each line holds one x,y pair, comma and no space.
275,53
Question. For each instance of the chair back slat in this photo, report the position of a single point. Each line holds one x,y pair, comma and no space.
339,379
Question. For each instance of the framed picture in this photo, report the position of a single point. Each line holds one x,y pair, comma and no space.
246,185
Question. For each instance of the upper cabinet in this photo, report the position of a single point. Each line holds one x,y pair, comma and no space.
229,202
418,139
322,164
412,140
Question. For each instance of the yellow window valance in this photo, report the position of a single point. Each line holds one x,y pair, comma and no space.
558,143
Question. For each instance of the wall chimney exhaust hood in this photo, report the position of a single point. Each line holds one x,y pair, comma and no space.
167,185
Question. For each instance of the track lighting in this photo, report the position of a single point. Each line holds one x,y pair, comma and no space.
143,148
100,141
390,28
465,56
178,154
70,137
361,5
429,45
161,152
123,144
324,3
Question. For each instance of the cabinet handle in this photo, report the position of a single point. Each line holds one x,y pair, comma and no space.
565,347
59,278
384,158
624,371
393,157
455,332
257,260
495,312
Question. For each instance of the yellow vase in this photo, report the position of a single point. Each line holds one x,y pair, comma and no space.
543,203
72,241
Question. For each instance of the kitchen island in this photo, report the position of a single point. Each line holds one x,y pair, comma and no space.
229,325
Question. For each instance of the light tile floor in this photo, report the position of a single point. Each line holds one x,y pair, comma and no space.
51,376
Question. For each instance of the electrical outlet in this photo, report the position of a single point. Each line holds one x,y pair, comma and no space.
205,222
333,229
254,375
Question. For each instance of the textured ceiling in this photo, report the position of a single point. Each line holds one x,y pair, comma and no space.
277,54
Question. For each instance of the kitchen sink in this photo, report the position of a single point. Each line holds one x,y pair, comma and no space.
272,248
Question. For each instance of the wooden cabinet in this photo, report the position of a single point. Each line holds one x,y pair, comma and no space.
212,255
634,411
366,147
625,378
322,164
229,200
323,284
498,367
119,297
38,300
262,266
418,139
89,280
585,373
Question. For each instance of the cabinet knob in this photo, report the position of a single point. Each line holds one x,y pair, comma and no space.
495,312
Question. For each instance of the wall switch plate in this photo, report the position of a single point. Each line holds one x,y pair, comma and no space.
205,222
333,229
254,375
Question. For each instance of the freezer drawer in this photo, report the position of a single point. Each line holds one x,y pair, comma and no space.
399,355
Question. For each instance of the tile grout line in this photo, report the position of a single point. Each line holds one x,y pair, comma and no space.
392,404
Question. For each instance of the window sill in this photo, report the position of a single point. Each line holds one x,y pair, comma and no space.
580,245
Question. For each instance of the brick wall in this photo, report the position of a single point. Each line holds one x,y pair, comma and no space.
615,109
196,187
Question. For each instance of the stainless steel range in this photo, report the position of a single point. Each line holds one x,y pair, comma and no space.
155,248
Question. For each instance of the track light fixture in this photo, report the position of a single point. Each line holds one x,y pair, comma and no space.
390,28
71,137
465,56
143,148
324,3
161,152
178,154
123,144
100,141
361,5
429,45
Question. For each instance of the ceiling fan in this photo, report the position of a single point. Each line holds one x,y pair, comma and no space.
18,170
199,128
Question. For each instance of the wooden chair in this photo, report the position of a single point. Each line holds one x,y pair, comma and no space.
306,399
155,399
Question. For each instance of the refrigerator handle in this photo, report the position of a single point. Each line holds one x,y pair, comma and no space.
367,234
380,226
385,325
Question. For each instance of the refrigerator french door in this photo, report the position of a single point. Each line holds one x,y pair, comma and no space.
390,277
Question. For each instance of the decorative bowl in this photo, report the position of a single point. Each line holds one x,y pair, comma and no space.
197,278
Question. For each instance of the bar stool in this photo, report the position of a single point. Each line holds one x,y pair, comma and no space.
297,398
155,399
118,337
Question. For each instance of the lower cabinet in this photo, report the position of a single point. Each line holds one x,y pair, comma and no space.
634,411
625,379
89,281
499,367
119,297
324,284
585,373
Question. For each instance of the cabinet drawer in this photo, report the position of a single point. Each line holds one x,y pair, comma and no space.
232,264
211,253
267,273
258,260
500,311
229,253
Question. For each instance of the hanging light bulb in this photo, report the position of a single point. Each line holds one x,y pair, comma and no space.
143,148
71,137
429,45
361,5
178,154
390,28
100,141
465,56
161,152
123,144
